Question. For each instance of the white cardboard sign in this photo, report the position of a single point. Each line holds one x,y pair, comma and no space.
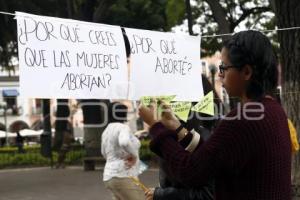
163,64
62,58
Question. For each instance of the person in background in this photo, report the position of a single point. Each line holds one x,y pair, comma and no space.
68,139
20,142
120,148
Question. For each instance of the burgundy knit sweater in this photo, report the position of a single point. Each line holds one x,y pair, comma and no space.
248,159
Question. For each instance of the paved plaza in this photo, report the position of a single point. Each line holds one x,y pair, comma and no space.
59,184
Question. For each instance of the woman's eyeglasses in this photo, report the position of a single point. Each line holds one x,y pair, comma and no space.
223,68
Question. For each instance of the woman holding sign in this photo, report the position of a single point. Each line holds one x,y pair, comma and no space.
249,153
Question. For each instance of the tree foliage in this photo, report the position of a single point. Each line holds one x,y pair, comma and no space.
226,16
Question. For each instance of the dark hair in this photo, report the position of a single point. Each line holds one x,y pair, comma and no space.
255,49
127,44
118,112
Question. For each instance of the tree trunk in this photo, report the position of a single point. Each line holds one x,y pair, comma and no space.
46,115
219,15
95,119
87,10
288,15
46,136
70,8
61,122
189,16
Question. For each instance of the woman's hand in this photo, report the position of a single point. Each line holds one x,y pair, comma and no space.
168,118
149,194
130,161
148,114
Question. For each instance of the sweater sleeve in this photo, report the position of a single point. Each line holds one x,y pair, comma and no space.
204,193
227,149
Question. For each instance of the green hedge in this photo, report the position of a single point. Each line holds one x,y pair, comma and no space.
27,159
9,156
12,149
145,153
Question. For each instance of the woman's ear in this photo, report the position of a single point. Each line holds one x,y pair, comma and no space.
247,72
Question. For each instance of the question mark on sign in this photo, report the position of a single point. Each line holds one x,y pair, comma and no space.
109,78
190,67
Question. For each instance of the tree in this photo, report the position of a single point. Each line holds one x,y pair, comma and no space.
143,14
225,16
288,15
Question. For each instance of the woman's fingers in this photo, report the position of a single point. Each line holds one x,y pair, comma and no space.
166,110
152,104
149,194
164,105
142,109
150,107
153,107
147,115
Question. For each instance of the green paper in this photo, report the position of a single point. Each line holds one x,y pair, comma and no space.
145,100
206,105
181,109
166,99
